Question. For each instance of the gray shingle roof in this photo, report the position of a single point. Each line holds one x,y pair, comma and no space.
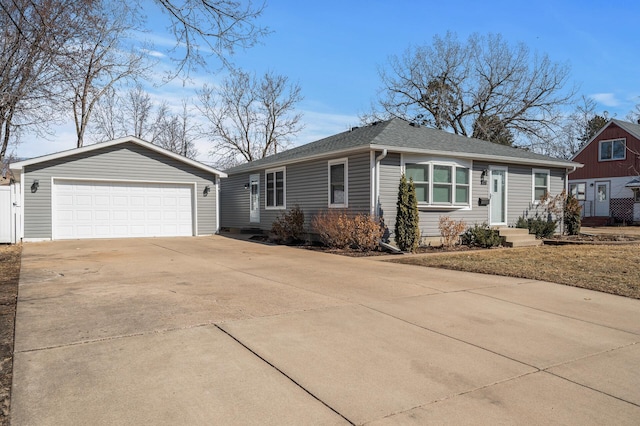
399,135
632,128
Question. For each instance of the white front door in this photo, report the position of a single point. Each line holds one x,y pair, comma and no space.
254,198
602,199
498,197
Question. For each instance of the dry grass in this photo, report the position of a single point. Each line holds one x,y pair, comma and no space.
608,268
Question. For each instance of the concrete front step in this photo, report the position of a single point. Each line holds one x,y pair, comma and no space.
518,237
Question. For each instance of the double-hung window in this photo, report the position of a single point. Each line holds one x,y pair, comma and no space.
338,183
613,150
578,190
541,183
440,184
275,188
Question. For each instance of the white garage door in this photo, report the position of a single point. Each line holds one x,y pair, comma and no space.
83,209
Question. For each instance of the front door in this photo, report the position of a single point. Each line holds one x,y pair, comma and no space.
602,199
254,198
498,197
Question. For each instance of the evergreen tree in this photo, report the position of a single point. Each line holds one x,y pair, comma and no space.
407,227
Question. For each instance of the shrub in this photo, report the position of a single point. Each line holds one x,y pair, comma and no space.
407,227
339,230
572,215
481,236
289,227
450,230
367,233
541,227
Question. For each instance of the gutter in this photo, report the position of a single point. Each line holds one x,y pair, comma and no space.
379,158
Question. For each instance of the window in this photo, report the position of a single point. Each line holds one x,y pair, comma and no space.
275,192
578,190
613,150
636,195
540,184
338,185
420,175
440,184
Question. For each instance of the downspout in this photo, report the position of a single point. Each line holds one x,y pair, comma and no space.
379,158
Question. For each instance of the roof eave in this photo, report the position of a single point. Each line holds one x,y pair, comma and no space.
19,166
472,156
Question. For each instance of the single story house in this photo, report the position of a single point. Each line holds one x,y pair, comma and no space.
360,169
608,187
122,188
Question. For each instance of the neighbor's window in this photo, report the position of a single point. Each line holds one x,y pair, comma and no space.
440,184
636,195
540,184
613,150
275,188
338,185
578,190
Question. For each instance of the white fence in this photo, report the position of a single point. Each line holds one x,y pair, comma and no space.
10,214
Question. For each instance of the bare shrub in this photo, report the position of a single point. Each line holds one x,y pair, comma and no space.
450,230
367,233
334,228
339,230
289,227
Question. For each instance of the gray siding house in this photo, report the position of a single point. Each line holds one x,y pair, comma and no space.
359,170
117,189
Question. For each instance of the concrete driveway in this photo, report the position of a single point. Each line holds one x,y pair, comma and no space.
213,330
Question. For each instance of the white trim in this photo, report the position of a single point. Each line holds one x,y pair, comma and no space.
216,180
506,193
345,162
372,183
453,163
193,185
284,188
533,183
600,159
20,165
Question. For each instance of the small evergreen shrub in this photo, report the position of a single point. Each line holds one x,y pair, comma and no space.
541,227
450,230
481,236
289,227
407,229
572,215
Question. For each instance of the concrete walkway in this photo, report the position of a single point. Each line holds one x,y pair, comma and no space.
212,330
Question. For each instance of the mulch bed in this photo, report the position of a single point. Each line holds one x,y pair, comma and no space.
9,275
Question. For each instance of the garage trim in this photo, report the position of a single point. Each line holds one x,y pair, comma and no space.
193,185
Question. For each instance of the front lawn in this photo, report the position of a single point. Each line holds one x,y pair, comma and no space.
608,268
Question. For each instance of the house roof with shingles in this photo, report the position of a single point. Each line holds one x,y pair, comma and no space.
632,128
397,135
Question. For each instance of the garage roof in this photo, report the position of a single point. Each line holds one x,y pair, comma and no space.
18,167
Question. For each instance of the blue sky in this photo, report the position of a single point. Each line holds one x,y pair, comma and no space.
334,49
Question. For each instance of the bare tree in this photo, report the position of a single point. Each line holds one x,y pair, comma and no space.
249,118
98,61
217,27
33,35
573,132
457,86
634,115
176,132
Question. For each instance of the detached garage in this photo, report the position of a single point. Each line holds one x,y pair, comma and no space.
117,189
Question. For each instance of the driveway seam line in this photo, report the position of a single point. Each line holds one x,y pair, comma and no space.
550,312
590,388
452,337
291,379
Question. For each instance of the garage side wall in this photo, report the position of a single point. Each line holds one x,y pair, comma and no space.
124,162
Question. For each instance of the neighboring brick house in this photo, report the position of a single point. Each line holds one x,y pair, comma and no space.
608,186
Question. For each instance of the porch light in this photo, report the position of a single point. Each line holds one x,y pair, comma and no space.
246,186
483,176
206,191
35,185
